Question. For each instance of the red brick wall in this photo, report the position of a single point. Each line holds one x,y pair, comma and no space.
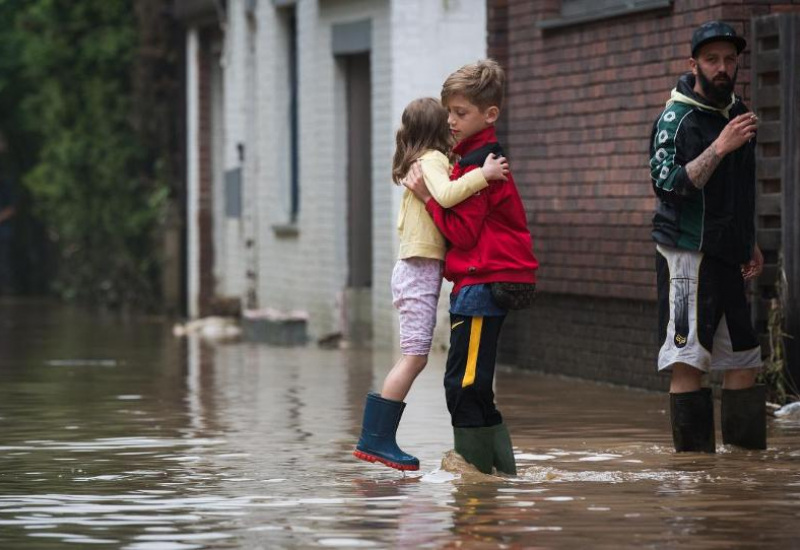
579,106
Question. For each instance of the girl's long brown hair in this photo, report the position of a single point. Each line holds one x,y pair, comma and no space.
423,127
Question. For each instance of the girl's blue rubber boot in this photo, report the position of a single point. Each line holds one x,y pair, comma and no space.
377,442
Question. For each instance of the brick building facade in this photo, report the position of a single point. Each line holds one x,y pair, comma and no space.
585,82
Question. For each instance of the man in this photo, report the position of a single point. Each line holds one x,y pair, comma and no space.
702,162
7,211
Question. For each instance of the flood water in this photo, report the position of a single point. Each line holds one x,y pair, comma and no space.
119,435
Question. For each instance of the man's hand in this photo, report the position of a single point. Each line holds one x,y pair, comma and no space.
755,266
416,183
736,133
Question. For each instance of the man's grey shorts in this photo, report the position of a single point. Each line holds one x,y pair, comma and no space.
704,317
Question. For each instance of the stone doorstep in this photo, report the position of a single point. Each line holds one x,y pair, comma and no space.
276,332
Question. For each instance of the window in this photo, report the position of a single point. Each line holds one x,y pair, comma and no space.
574,12
577,8
294,90
288,89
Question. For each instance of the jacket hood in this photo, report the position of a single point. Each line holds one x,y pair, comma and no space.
684,93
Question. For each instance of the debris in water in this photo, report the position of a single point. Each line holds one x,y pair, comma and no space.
213,328
791,410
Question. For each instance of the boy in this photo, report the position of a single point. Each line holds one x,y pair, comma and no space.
488,242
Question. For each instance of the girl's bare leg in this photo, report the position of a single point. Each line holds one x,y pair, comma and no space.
405,371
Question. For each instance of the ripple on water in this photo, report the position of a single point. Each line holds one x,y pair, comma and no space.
110,444
346,543
161,546
539,474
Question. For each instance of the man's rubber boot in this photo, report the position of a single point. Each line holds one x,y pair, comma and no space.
692,415
744,417
377,442
476,445
504,460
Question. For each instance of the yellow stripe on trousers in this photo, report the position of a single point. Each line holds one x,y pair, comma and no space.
472,355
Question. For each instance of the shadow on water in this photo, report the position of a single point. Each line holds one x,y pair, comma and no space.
119,435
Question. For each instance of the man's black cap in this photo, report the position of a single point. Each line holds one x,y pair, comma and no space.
714,31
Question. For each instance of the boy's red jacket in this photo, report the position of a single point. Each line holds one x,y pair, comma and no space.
488,233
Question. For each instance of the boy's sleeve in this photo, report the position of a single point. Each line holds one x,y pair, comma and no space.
449,193
462,224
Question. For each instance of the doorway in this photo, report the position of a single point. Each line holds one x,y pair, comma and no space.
358,295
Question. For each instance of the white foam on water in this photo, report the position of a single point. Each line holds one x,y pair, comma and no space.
439,476
101,478
598,458
527,456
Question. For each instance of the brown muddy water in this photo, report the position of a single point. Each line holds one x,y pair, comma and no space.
119,435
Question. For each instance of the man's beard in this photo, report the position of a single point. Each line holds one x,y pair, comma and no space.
719,92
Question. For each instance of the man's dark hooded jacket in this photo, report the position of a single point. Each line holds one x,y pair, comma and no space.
717,220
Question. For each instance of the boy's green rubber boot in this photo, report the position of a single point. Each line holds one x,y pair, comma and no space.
485,448
503,451
476,445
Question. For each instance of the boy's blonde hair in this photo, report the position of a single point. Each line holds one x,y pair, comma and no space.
482,83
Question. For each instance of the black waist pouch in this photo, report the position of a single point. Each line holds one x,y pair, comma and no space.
513,295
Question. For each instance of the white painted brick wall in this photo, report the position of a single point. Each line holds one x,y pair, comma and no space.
429,41
416,43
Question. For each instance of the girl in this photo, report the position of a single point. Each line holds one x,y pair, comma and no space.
423,138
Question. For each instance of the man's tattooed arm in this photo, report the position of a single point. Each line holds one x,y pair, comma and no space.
735,134
701,168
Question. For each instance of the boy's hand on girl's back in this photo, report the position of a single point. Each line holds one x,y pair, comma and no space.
415,183
495,168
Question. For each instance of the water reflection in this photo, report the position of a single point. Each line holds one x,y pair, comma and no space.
118,435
